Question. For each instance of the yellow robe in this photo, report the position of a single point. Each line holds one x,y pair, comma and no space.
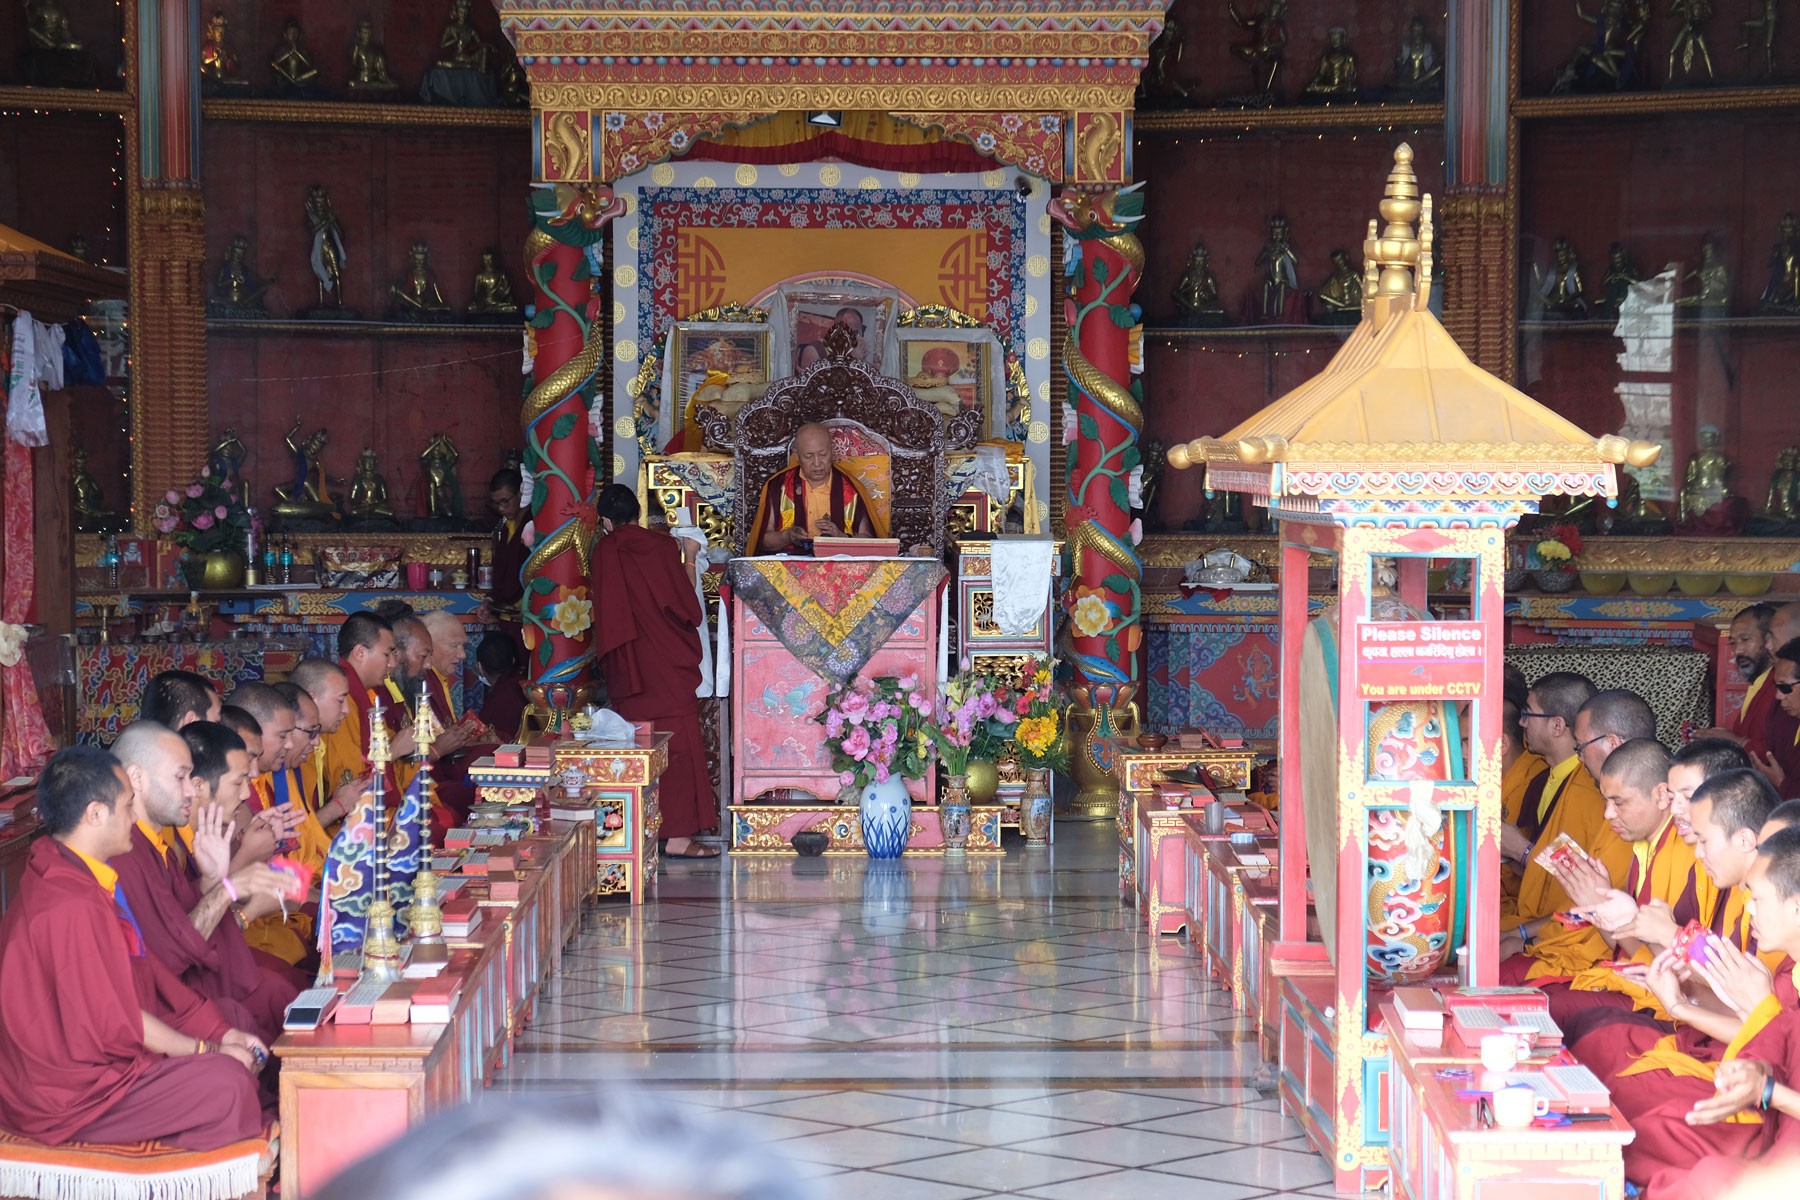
1580,812
1513,785
1672,871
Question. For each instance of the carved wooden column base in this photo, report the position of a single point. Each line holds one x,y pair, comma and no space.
168,341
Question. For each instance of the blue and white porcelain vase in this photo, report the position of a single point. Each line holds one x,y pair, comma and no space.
886,818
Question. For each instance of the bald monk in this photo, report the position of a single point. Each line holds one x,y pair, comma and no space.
1535,943
194,923
464,737
101,1043
811,499
329,688
647,641
1701,1137
173,698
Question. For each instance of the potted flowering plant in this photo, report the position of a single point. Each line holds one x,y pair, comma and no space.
879,734
210,523
1555,553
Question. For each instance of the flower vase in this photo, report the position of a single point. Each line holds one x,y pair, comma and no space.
1101,712
886,818
1554,581
1034,807
954,815
984,781
217,571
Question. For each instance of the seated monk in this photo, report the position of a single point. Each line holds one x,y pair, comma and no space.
194,923
101,1043
1522,780
1637,1053
503,708
1664,887
173,698
464,738
811,499
1535,944
1705,1133
328,798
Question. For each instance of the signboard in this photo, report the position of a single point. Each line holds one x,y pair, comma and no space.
1420,660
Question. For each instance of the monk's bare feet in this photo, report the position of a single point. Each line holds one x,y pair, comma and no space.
681,847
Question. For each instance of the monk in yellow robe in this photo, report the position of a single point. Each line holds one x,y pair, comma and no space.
1521,782
811,499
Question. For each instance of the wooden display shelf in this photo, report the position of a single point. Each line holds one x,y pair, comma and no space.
1740,324
65,99
1249,333
1333,116
366,328
339,112
1646,104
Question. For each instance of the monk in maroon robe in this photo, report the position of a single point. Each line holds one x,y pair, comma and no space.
503,708
101,1043
1781,729
508,556
646,636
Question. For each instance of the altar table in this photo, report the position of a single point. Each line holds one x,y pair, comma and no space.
347,1090
1139,771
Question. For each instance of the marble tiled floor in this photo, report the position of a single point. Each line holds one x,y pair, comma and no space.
927,1030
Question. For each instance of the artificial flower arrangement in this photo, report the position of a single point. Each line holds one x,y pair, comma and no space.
1558,549
206,517
1027,719
968,715
878,728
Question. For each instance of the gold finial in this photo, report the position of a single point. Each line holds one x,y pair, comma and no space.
1396,249
379,752
426,727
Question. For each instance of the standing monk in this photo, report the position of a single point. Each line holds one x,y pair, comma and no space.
509,554
646,638
101,1043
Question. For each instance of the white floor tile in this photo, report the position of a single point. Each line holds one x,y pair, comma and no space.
995,1169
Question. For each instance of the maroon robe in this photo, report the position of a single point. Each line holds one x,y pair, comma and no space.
1782,733
503,708
74,979
647,638
1750,720
222,967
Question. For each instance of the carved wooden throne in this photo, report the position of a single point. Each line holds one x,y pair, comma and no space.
837,390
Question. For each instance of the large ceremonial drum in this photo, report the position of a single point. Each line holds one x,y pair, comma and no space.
1410,918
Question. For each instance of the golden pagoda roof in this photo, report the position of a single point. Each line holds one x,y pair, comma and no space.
1400,396
51,285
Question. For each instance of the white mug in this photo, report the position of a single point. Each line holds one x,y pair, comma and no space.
1503,1051
1516,1106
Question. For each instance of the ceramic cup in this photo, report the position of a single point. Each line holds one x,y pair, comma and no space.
1502,1051
1516,1106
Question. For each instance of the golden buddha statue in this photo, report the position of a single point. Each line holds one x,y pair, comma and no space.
368,491
1158,89
493,292
1710,281
237,293
1197,295
1783,293
325,239
1262,52
1690,38
47,26
460,45
417,296
368,61
1341,295
443,495
218,65
1418,69
1615,285
307,498
53,56
1561,288
1335,82
1706,485
1279,297
294,73
91,513
460,73
515,85
1784,487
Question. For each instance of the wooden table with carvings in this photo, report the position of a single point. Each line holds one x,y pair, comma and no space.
1139,771
347,1090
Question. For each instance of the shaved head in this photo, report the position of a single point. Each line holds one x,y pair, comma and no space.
449,641
1784,626
813,451
157,762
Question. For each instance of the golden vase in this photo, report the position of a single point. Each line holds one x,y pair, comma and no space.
1100,713
983,782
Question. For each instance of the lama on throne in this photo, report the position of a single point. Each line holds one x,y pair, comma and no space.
811,499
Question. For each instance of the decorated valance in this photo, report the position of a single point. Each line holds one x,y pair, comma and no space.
833,614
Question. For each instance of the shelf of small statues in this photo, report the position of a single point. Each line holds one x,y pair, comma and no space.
332,112
1249,333
1373,116
64,99
1770,323
256,327
1645,104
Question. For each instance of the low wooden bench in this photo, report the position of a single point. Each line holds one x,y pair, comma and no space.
145,1171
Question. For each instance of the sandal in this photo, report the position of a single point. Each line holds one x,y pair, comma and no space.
705,851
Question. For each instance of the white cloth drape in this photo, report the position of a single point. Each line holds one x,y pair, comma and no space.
37,368
706,689
1021,567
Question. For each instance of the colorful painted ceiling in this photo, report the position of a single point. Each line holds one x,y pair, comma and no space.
956,55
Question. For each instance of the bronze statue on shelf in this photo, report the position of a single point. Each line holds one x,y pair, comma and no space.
325,238
1158,89
1278,295
1707,504
493,301
1690,38
53,56
1418,72
368,493
1610,62
443,495
91,513
1782,509
460,74
1615,285
515,85
1783,293
1710,283
1561,288
78,246
368,61
237,294
295,75
1197,295
1261,53
306,500
417,296
218,65
1764,26
226,459
1335,82
1341,295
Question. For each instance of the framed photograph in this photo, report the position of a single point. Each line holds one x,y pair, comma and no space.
956,369
811,314
734,356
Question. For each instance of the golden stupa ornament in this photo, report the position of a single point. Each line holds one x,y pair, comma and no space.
424,918
381,950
